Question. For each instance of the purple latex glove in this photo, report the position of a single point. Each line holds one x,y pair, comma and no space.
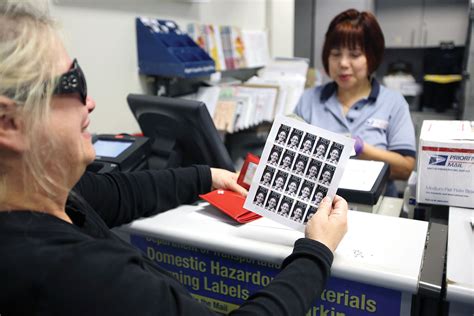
359,145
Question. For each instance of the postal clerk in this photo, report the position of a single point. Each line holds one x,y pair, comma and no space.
354,103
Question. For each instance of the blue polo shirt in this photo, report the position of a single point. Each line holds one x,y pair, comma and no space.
382,119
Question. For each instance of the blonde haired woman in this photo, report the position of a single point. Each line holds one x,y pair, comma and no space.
58,256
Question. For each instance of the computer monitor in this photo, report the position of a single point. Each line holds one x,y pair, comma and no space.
182,132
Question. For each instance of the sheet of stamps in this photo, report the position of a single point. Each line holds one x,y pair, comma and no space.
299,166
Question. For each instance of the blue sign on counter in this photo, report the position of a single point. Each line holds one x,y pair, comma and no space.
223,281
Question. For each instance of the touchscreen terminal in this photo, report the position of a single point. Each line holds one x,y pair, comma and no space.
109,148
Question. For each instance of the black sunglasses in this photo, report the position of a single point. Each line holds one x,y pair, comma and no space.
72,81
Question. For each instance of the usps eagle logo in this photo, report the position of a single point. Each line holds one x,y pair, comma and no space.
438,160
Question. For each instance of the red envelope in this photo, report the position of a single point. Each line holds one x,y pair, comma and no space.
230,203
249,166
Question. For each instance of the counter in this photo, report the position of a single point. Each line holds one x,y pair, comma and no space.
377,264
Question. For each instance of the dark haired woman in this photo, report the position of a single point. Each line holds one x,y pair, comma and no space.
354,103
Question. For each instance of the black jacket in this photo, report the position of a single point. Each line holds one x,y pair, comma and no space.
51,267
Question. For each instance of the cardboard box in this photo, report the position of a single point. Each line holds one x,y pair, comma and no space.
446,163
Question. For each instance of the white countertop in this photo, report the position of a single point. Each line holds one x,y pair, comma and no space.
378,250
460,265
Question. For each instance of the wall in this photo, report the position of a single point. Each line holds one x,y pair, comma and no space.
280,25
468,99
101,34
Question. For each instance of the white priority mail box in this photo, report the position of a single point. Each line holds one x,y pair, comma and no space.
445,163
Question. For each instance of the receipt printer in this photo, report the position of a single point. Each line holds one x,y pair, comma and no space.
120,153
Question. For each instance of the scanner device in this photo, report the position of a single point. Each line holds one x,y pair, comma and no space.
119,153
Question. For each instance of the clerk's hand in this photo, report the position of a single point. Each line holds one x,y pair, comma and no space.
358,145
329,224
224,179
